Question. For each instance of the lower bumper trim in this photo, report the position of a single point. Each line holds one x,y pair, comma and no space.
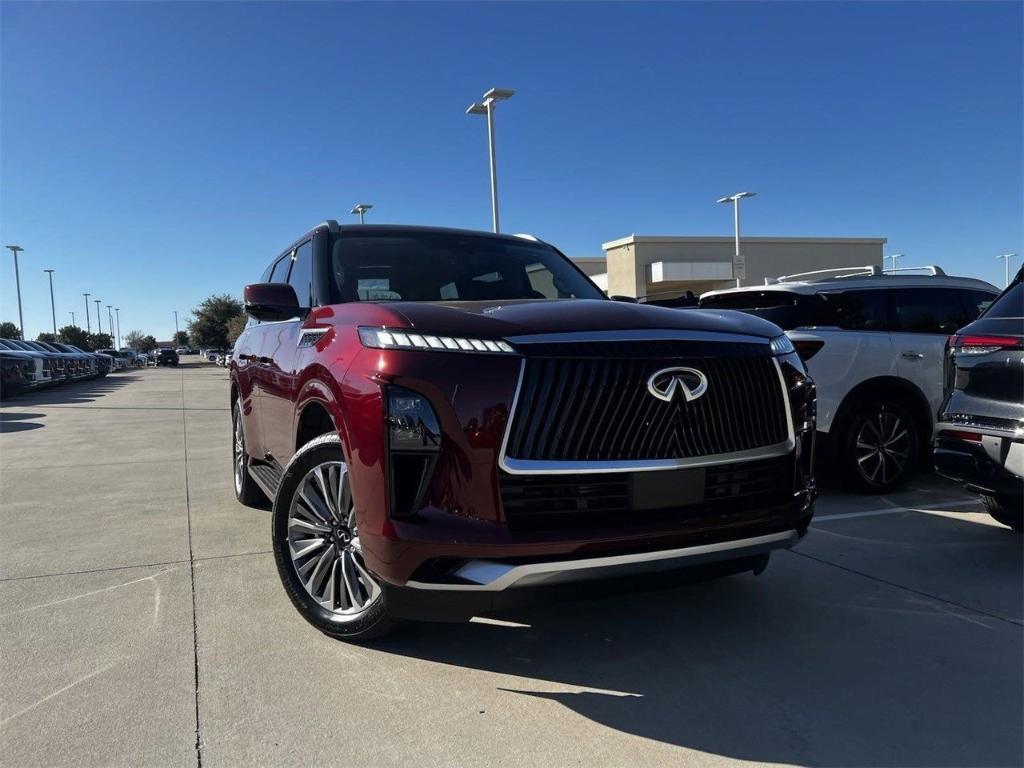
497,576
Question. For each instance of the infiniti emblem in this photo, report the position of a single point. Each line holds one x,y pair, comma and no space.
664,384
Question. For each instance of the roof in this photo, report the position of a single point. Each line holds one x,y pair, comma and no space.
676,239
375,229
865,281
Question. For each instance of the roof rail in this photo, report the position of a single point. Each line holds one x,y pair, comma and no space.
932,269
332,226
526,236
825,274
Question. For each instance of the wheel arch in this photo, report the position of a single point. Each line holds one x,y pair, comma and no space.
892,387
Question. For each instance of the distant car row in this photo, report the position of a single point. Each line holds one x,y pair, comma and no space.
32,364
221,357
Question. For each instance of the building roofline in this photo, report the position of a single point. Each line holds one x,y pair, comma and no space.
670,239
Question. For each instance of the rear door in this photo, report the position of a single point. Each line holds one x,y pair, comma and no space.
923,319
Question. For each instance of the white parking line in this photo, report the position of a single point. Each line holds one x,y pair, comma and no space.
894,510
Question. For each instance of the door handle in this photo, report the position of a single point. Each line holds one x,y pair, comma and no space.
912,355
265,360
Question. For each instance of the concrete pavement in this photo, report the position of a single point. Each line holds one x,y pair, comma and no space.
142,623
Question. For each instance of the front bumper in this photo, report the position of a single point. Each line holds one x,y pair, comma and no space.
483,586
994,464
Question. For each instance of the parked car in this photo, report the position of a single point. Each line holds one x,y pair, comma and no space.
44,369
120,361
17,372
62,366
874,345
212,355
91,364
979,437
182,351
447,418
167,357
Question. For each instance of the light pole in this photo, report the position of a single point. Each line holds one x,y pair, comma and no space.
99,325
895,256
110,322
175,326
117,313
53,309
1006,267
88,327
486,107
17,282
739,264
361,210
73,316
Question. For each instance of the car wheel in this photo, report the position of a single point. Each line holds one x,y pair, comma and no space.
317,549
879,446
246,490
1005,509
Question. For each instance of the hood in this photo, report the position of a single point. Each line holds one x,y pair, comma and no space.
520,318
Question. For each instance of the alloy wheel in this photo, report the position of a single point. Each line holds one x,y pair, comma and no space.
323,543
883,447
239,453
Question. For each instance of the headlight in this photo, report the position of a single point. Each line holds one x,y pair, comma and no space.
412,423
384,338
781,345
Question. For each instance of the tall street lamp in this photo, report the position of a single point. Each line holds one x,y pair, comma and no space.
895,256
117,313
486,107
110,321
361,210
1006,266
175,326
99,325
739,264
17,282
53,309
73,316
88,327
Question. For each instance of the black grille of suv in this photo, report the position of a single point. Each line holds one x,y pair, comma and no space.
559,502
590,402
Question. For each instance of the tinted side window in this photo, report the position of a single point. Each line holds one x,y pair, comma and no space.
1009,304
975,302
856,310
786,309
301,276
928,310
278,271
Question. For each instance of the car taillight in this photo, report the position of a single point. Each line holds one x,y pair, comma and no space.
807,348
959,434
971,344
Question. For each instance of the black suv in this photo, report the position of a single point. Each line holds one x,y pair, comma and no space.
979,437
166,357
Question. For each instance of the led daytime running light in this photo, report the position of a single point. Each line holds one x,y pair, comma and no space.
382,338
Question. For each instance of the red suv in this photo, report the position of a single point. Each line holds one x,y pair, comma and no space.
448,421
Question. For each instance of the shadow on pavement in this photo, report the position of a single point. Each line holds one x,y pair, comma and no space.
76,392
805,664
16,421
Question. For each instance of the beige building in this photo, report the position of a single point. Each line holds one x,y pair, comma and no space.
641,265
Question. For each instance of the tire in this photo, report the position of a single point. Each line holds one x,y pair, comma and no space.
246,490
879,446
327,582
1005,509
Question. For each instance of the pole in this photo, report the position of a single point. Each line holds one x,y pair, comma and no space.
494,163
117,312
72,317
17,282
176,311
99,325
88,327
736,228
53,309
361,214
110,322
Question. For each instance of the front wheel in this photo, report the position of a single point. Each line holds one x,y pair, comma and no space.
246,490
1005,509
317,548
879,446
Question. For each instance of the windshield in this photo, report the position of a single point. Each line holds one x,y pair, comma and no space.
419,266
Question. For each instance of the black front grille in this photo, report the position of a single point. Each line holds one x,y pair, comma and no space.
592,404
559,502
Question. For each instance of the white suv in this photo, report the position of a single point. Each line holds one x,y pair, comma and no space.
874,343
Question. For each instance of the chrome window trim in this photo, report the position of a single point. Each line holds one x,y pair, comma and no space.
543,467
496,576
640,334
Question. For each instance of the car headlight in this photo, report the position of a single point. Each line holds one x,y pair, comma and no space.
386,338
781,345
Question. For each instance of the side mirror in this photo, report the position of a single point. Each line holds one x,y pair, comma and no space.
272,301
626,299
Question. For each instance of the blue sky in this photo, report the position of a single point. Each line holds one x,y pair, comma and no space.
155,153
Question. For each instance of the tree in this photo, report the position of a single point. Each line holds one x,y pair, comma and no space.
139,341
46,336
72,334
209,324
9,330
100,341
181,339
235,327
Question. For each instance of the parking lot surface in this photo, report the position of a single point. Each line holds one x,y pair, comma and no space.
142,623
